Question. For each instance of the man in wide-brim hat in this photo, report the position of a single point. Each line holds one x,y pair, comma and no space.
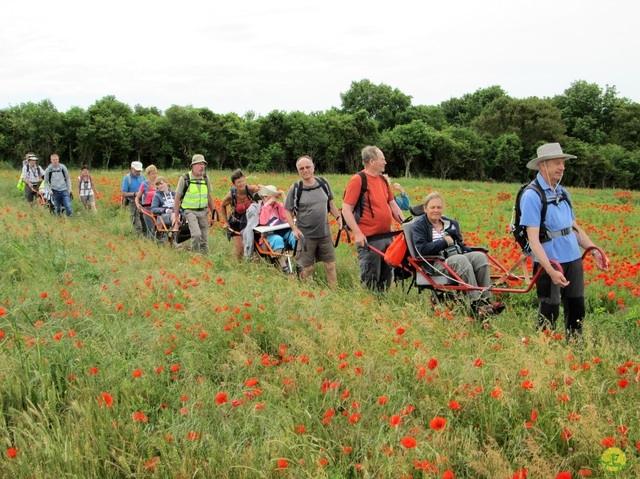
193,196
558,238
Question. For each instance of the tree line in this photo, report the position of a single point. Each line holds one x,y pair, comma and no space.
485,135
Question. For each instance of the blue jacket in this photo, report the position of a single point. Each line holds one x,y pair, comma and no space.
422,233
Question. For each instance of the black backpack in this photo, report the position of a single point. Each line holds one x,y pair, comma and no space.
519,231
298,189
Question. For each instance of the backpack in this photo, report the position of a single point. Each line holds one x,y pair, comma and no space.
358,208
62,170
397,251
298,189
519,231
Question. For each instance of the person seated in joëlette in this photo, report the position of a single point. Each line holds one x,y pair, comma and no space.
164,201
434,234
272,213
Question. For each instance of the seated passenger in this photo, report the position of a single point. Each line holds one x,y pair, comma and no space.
144,196
164,201
273,213
435,234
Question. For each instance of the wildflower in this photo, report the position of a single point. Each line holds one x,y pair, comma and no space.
44,295
622,429
448,474
251,382
566,434
140,416
408,442
300,429
137,373
395,420
193,436
497,392
527,385
3,312
478,362
221,398
564,475
282,464
432,364
355,417
400,331
105,399
12,452
438,423
382,400
93,371
152,463
623,383
521,474
454,405
608,442
585,472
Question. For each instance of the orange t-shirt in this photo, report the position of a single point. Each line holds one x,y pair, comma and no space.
376,214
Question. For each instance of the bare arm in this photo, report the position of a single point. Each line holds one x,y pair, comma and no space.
350,220
602,262
533,234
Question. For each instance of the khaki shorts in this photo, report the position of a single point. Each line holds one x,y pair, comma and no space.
315,250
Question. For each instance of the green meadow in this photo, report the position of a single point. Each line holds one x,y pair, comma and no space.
124,358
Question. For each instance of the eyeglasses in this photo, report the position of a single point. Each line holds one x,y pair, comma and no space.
307,167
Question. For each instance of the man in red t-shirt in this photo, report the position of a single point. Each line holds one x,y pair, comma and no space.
371,219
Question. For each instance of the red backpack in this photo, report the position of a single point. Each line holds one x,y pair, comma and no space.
396,252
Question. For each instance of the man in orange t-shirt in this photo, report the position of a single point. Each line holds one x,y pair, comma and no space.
371,219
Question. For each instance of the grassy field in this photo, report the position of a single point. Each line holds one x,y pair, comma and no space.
123,358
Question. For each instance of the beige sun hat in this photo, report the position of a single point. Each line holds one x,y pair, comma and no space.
268,190
198,159
548,151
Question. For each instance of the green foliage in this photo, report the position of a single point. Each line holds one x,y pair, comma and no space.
466,138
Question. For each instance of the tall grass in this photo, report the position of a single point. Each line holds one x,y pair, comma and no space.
220,369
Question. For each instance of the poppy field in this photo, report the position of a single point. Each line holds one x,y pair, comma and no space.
124,358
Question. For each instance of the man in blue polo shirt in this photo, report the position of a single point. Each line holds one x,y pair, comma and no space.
130,186
561,242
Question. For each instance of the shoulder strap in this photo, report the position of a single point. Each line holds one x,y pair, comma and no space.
187,183
234,200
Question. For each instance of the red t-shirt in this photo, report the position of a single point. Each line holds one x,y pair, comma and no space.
376,214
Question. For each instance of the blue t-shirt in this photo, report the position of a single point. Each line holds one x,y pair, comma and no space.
562,249
131,184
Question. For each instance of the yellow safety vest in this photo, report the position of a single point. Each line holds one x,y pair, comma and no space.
196,195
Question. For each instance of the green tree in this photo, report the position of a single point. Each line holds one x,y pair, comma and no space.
381,102
533,120
462,111
37,127
408,143
505,161
149,138
432,116
186,130
588,111
109,127
76,140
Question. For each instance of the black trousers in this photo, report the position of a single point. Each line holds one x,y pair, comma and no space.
572,298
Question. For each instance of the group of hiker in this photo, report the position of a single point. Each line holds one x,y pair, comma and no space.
53,185
369,209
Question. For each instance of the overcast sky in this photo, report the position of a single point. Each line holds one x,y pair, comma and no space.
300,55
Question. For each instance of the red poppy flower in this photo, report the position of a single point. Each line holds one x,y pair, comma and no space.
221,398
283,464
139,416
395,420
454,405
137,373
564,475
608,442
448,474
251,382
382,400
521,474
478,362
566,434
585,472
93,371
12,452
497,392
105,399
527,385
408,442
432,364
300,429
354,418
438,423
